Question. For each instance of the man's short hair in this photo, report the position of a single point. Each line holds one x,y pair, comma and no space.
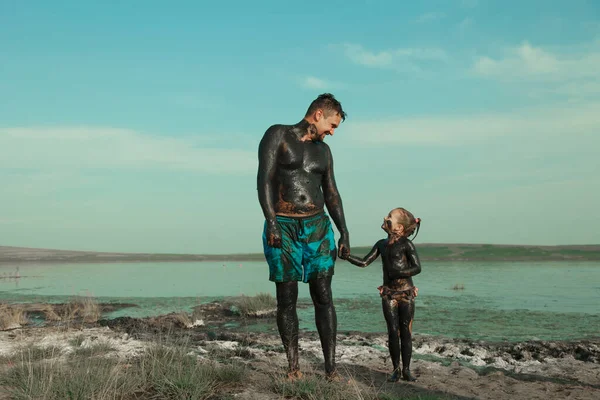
328,103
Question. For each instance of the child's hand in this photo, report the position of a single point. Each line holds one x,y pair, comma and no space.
344,255
415,291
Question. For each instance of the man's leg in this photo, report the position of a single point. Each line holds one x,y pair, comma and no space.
326,319
287,322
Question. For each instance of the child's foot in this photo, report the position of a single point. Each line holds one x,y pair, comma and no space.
294,375
395,377
406,376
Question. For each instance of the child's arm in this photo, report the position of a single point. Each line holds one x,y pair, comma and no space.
413,264
368,259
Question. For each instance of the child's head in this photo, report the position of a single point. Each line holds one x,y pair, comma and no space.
401,222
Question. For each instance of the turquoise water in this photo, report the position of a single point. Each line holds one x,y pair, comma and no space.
500,300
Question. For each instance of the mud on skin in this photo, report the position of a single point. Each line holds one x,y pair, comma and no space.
400,262
296,179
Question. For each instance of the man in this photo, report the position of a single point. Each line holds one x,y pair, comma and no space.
295,182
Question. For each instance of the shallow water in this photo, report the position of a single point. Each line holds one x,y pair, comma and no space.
500,300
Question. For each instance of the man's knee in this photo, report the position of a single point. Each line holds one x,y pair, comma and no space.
321,292
287,295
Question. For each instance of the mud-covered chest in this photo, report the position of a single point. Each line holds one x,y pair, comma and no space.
309,156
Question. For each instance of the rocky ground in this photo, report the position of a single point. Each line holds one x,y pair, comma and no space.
445,368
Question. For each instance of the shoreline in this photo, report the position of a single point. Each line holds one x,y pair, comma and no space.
427,252
445,367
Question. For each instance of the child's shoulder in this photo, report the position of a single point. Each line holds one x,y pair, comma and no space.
404,242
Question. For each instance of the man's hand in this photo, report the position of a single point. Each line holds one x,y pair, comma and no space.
344,247
273,234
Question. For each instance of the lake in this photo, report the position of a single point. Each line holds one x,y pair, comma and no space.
500,300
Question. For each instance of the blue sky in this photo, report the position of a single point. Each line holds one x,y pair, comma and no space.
134,126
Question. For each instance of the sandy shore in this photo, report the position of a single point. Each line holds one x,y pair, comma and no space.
445,368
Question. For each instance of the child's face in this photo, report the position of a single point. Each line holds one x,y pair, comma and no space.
391,224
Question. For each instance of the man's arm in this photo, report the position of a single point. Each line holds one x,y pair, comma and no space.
333,201
268,150
368,259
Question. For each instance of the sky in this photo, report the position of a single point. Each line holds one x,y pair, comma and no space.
134,126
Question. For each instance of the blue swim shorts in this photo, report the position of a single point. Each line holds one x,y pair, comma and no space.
307,249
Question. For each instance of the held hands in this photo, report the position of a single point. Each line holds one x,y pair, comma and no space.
273,234
344,247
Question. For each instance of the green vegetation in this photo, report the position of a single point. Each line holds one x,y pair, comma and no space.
314,387
263,304
161,373
96,349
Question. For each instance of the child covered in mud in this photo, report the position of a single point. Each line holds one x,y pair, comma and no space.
400,263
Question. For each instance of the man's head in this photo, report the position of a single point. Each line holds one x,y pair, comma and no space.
326,114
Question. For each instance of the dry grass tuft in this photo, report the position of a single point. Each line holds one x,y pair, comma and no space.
12,316
82,307
261,305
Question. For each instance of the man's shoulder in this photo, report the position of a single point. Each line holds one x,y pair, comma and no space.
278,129
275,134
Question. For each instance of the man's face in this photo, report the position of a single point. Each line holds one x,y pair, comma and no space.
326,125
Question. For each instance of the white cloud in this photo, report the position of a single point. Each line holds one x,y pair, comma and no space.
392,58
529,62
429,17
83,147
469,3
547,124
569,72
311,82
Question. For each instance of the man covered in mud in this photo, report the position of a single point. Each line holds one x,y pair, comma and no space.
295,183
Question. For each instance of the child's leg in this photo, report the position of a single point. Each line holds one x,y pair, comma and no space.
390,312
406,312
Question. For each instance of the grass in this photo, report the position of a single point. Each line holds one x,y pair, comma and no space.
33,353
12,317
160,373
263,304
221,354
174,373
99,348
315,387
85,308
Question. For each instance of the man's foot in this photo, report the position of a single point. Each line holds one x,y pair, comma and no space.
294,375
406,376
334,377
395,377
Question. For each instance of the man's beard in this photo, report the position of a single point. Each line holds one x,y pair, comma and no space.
314,134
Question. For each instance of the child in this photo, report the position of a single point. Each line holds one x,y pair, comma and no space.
400,263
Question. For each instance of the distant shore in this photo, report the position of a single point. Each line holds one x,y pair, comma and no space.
427,252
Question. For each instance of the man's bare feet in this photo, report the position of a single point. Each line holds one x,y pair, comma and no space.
294,375
334,377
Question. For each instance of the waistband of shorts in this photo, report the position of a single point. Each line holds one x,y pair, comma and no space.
319,215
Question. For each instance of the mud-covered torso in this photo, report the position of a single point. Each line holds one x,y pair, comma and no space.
396,259
300,169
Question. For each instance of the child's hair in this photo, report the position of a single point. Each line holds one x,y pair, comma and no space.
408,221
